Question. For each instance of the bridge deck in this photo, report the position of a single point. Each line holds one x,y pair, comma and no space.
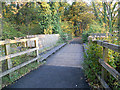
62,70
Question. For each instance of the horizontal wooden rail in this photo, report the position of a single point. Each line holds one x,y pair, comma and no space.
17,54
16,41
110,69
17,67
114,47
103,83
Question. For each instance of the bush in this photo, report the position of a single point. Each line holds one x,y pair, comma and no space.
85,37
31,29
9,32
63,37
95,52
94,27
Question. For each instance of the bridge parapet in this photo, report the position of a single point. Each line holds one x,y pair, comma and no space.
44,40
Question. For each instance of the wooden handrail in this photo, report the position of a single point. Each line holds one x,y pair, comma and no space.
8,56
15,41
18,54
113,47
110,69
105,65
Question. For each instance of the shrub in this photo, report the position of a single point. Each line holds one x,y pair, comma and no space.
95,52
9,32
94,27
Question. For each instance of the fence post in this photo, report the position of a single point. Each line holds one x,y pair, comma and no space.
25,43
7,52
105,58
37,51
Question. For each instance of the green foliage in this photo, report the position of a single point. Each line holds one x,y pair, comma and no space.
109,19
94,27
85,37
95,52
63,37
31,29
9,32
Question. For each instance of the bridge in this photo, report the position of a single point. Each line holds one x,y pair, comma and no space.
63,65
62,69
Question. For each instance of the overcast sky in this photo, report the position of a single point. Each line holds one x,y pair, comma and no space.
88,1
70,1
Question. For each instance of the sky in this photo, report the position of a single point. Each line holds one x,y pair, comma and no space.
70,1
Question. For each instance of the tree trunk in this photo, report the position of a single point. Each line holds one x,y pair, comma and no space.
105,15
96,13
110,21
119,23
1,24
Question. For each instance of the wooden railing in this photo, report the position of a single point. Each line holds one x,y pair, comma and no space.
105,66
8,56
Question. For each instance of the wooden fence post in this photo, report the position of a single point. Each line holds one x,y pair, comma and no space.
25,43
9,62
37,51
105,58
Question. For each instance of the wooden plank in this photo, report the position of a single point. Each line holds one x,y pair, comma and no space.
15,41
103,83
37,51
17,54
45,56
105,58
114,47
24,43
17,67
99,42
7,52
9,62
110,69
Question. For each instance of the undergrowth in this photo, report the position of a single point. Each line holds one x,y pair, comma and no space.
91,65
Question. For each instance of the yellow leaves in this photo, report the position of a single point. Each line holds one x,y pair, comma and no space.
14,8
61,8
56,4
45,5
46,8
0,15
48,30
4,10
14,12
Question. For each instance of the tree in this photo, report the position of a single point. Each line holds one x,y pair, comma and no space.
79,15
1,20
118,23
107,13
